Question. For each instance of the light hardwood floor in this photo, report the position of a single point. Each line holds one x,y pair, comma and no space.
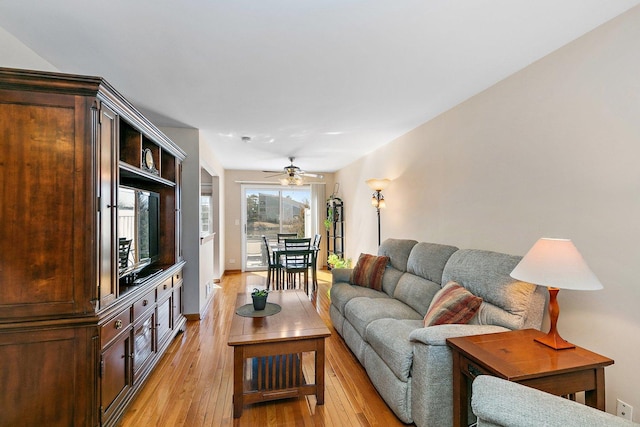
193,383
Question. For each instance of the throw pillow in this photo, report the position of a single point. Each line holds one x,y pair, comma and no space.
369,270
452,304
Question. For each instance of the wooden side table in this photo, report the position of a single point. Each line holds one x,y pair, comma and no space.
515,356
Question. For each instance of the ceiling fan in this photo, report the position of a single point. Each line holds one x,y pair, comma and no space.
292,174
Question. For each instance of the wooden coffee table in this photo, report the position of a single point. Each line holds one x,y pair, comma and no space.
515,356
267,351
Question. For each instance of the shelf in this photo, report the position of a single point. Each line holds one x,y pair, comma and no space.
131,173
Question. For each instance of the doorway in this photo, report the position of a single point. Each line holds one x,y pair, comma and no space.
267,211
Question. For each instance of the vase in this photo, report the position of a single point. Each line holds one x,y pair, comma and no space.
259,302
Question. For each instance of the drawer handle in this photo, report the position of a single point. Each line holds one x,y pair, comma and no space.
177,276
473,371
118,324
145,303
165,286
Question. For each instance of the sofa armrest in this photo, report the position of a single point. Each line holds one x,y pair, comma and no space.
341,275
437,335
497,402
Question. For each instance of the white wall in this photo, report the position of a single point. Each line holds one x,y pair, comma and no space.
553,150
200,257
15,54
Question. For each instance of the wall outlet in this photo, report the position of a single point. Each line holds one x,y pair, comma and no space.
624,410
232,261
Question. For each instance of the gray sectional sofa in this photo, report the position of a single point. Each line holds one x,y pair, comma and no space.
411,365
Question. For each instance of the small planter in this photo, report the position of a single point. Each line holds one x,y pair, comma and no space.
259,299
259,303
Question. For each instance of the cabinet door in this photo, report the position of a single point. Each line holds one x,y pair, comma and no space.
143,342
48,377
115,374
45,253
164,320
177,305
178,220
107,206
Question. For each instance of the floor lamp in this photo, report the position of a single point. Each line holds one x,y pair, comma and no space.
377,199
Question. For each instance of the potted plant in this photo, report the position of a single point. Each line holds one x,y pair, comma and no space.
259,298
335,261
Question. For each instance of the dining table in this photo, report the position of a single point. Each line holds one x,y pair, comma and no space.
279,250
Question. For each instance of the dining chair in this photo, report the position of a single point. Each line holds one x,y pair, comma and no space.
315,246
283,236
297,257
274,271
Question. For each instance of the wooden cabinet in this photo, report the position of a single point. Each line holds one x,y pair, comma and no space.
79,333
107,133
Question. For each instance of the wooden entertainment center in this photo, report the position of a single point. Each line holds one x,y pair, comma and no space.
82,322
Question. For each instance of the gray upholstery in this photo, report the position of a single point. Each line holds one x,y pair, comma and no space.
416,292
507,301
398,251
500,403
411,365
438,255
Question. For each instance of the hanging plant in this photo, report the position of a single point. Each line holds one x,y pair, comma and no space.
329,220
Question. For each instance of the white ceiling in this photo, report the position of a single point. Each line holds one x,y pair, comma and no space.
325,81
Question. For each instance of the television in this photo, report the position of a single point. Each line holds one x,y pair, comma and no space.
138,231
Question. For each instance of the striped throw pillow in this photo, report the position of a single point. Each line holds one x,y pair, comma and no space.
369,270
452,304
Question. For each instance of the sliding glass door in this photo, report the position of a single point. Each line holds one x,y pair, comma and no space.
269,210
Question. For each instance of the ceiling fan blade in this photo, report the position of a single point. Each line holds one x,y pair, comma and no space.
274,174
311,175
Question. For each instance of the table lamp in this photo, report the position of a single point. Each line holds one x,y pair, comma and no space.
557,264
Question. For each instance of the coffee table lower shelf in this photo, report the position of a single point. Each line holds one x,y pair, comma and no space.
265,374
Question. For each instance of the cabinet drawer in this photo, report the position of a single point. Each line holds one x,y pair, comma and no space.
115,326
164,289
177,278
144,304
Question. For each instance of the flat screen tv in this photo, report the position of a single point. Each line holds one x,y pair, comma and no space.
138,229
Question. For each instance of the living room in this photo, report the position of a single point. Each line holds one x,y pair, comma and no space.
545,152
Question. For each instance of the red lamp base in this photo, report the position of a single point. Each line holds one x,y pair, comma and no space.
555,341
553,338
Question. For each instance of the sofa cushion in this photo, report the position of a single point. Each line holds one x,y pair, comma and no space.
416,292
361,311
369,270
452,304
389,338
398,251
342,293
486,274
390,280
427,260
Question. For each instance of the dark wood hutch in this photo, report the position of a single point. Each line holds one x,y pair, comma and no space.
79,331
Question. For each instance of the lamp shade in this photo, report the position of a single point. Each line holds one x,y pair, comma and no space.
378,184
556,263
